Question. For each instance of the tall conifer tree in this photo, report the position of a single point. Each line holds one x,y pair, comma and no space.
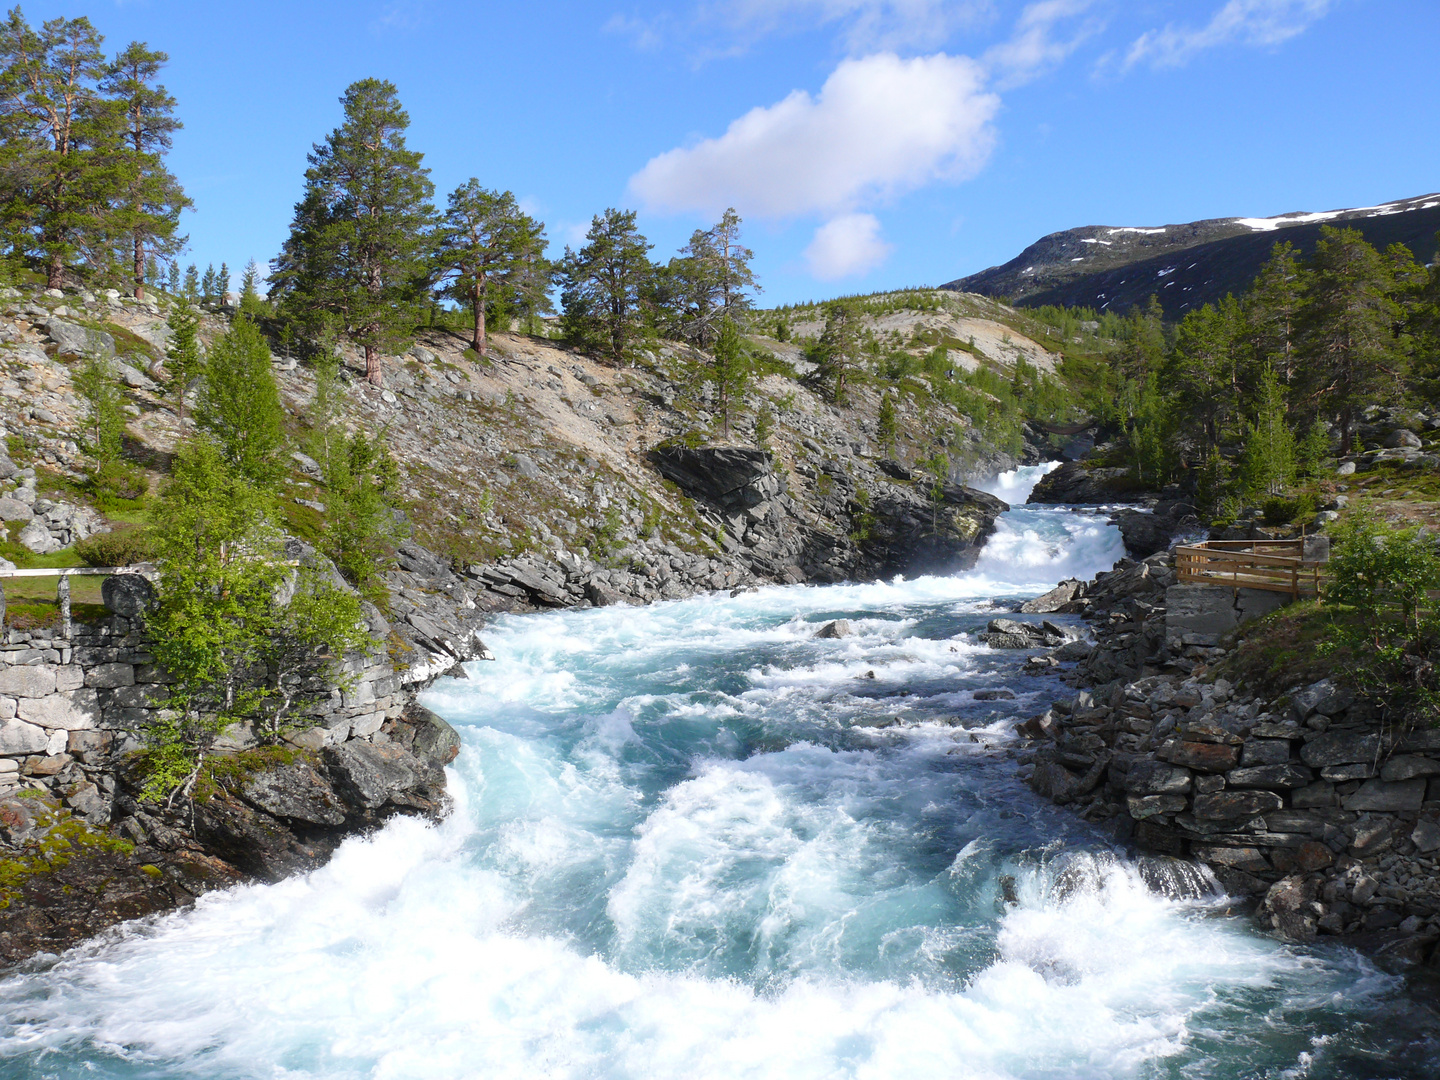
152,200
358,246
489,246
59,142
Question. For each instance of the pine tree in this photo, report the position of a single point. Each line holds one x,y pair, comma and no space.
153,199
1201,373
490,248
192,284
207,286
361,483
601,284
152,271
222,283
182,358
711,277
1348,328
60,148
729,369
1268,466
172,278
250,282
1272,306
106,423
887,429
837,353
359,243
239,403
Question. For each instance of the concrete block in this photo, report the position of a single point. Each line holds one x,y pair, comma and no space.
1199,614
1255,603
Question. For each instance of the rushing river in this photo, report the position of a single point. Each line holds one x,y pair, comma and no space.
692,841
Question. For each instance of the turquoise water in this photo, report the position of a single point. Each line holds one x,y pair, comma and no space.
692,841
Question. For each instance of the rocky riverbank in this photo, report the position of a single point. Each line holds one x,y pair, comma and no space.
1303,802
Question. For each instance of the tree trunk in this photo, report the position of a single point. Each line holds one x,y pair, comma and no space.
373,375
477,304
139,268
55,272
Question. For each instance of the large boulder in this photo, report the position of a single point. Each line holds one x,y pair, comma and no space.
1073,482
127,595
732,477
72,339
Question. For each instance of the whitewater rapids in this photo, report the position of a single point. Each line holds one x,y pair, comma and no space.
692,841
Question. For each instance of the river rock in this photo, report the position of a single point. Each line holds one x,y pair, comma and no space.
370,775
15,510
1289,908
1202,757
75,710
1264,752
294,792
1324,697
1150,777
1408,767
839,628
1052,601
18,737
28,681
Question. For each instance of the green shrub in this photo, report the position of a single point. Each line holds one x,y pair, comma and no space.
1282,511
124,547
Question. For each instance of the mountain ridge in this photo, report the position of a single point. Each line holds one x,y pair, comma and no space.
1114,268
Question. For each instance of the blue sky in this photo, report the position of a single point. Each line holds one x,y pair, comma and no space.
869,144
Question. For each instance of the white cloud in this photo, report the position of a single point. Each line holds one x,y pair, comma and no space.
849,245
1033,48
1246,22
879,126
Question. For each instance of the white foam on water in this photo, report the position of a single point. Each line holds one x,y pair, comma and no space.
399,960
1015,485
625,891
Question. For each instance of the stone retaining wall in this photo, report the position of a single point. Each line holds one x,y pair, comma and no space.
70,707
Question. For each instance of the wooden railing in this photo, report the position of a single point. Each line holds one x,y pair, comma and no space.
62,586
1273,565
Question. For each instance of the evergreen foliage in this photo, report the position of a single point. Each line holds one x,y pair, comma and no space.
105,424
729,370
709,282
887,430
837,353
359,246
1269,461
601,284
60,146
492,256
182,357
150,206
